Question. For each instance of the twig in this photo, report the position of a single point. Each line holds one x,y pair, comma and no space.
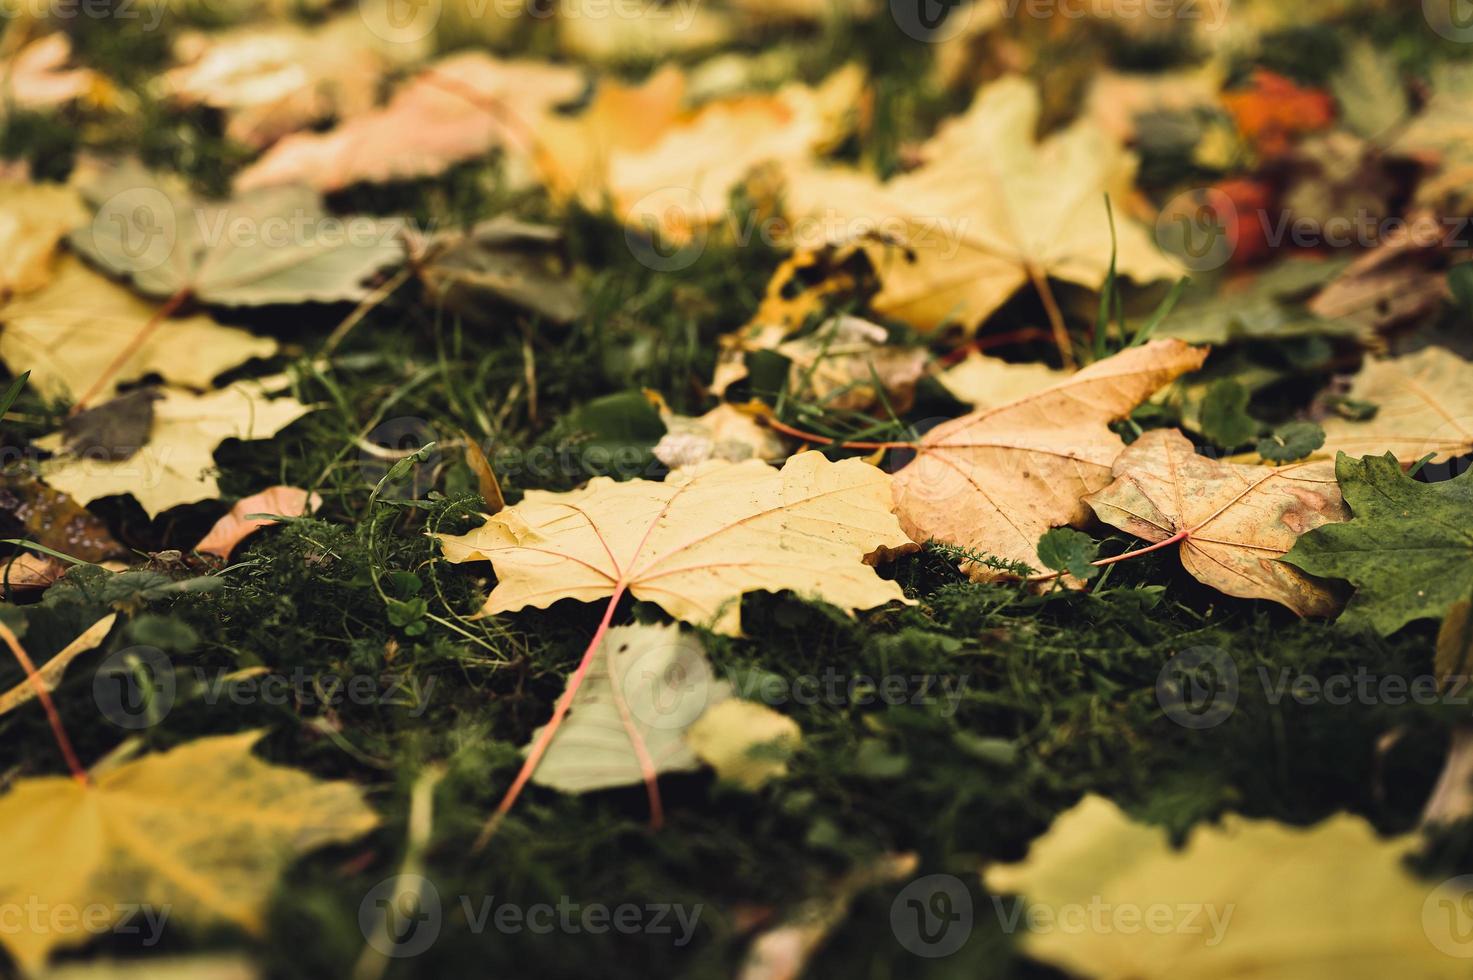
43,694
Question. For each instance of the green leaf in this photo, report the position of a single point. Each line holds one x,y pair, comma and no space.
1408,551
1225,419
1067,550
1373,100
13,392
1460,284
1291,441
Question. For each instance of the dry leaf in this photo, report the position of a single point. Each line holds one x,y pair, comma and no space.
457,109
805,286
68,334
1234,522
276,245
278,78
52,670
1246,898
696,542
748,744
176,467
989,211
237,525
34,218
28,573
518,264
203,830
632,709
36,77
1451,799
987,382
995,480
678,181
848,364
1394,281
659,32
56,521
1423,405
727,432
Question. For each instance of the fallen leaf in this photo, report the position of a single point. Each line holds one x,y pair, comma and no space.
230,530
1261,900
988,382
696,542
176,466
204,830
114,430
27,574
37,78
68,334
989,211
748,744
660,32
804,287
50,673
1424,405
678,185
56,521
275,245
1233,521
1273,111
34,218
1408,551
1267,305
1395,281
996,479
727,432
1439,136
503,259
274,79
631,714
848,364
457,109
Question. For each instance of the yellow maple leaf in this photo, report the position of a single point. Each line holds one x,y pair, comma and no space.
988,212
176,466
201,832
1111,898
696,542
69,334
995,480
1423,405
986,382
1233,521
33,220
